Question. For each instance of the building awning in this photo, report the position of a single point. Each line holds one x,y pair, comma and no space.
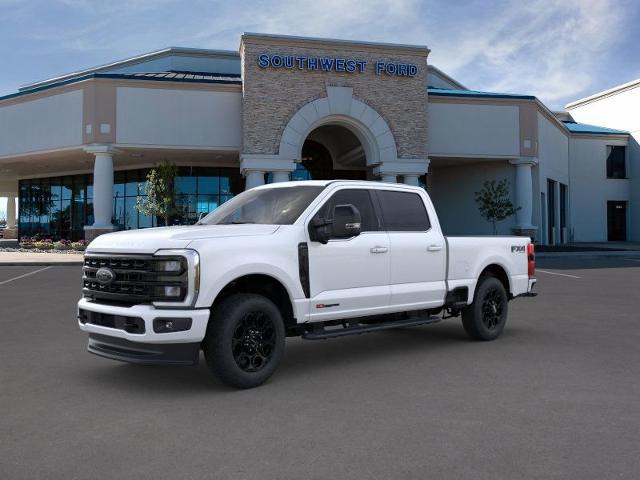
575,127
443,92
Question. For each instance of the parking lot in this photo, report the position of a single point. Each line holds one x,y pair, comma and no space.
557,396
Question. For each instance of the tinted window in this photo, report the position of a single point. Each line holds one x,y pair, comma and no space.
274,206
403,211
616,161
361,199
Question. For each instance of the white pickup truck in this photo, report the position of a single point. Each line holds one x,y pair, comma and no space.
315,259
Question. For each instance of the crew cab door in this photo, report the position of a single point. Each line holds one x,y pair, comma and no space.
418,251
349,277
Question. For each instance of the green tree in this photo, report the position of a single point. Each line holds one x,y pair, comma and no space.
160,199
494,203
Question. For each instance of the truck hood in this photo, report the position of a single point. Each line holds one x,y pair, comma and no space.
149,240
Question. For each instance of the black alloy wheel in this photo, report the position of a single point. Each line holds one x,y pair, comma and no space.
253,342
486,317
245,340
492,309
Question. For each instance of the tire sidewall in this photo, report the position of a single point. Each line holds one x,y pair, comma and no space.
481,331
218,343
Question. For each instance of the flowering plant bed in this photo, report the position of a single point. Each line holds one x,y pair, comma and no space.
35,244
47,245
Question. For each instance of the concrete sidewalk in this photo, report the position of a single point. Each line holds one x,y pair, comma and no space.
591,253
38,259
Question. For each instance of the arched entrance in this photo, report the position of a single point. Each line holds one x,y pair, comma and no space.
332,151
335,137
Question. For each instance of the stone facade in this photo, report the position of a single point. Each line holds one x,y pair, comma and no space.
272,96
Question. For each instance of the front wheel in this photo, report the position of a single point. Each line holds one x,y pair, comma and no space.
245,340
485,318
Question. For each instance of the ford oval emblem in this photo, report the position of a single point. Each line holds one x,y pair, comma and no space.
105,276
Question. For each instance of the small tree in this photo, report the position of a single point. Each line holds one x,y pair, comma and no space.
494,203
160,200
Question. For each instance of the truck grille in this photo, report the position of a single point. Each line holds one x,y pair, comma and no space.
133,279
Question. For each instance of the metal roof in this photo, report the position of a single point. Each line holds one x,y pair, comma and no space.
145,57
475,93
176,75
186,77
575,127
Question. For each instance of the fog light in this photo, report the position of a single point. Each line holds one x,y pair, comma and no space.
167,325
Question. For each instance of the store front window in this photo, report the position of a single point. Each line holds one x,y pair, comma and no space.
60,207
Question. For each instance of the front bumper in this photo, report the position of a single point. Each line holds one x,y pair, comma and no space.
145,315
144,353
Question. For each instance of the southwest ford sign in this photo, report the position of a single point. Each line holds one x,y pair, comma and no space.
331,64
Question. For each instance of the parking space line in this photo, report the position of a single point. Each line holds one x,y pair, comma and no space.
25,275
556,273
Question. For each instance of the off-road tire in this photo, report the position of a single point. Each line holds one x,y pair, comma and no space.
486,317
245,340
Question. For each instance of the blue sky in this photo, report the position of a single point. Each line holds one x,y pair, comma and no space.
557,50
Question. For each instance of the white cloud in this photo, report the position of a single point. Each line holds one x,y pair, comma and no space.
554,49
548,48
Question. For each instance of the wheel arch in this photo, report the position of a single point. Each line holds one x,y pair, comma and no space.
500,272
261,284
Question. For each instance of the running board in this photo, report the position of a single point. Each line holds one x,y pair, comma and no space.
321,334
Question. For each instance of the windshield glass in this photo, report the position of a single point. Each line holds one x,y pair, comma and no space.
273,206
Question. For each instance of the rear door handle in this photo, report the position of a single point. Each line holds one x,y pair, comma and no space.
434,248
379,250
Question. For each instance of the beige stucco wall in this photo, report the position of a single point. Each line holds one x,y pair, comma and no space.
272,96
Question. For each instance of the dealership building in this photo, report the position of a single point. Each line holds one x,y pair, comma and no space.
75,149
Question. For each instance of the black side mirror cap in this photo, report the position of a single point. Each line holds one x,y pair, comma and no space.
347,221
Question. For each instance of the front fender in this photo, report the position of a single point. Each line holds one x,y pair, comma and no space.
211,286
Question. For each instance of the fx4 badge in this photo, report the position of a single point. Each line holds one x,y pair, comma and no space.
517,249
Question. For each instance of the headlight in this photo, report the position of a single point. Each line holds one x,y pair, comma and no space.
178,280
169,266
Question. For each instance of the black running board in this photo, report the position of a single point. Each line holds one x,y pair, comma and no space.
322,333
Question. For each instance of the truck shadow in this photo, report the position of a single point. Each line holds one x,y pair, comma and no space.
302,358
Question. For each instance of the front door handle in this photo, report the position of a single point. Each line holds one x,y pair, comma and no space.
434,248
379,250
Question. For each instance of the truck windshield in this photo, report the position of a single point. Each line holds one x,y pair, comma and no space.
273,206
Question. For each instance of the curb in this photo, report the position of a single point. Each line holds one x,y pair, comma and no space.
610,254
41,264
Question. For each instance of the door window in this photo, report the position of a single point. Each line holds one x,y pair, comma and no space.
403,211
359,198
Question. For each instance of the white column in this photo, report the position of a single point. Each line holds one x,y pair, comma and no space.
280,176
102,186
253,178
410,179
11,212
389,178
254,166
524,191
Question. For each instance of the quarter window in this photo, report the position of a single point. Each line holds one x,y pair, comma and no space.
403,211
616,162
361,199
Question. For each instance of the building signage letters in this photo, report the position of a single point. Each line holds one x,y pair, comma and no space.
331,64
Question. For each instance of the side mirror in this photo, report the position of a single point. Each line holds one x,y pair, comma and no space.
320,229
347,221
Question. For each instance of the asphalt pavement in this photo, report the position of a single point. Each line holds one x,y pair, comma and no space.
556,397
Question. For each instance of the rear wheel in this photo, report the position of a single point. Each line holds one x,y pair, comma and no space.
485,318
245,340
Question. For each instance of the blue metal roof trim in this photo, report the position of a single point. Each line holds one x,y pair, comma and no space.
575,127
228,79
443,92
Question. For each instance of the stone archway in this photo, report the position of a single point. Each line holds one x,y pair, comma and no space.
340,108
